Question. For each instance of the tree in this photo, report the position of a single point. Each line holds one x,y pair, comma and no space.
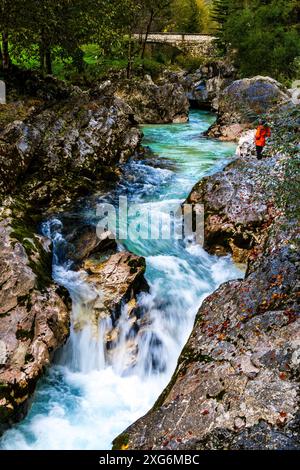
186,16
59,26
263,34
9,20
129,21
151,10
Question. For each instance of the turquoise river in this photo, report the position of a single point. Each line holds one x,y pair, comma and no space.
84,401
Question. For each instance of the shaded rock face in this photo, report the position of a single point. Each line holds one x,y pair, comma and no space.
34,316
62,144
242,102
205,86
84,241
118,279
77,139
152,103
239,206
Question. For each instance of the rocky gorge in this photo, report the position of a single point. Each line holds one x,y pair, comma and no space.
236,385
65,146
245,339
57,144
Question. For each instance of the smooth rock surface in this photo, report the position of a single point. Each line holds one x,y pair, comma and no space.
243,102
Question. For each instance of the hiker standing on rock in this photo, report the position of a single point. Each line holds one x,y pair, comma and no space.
262,133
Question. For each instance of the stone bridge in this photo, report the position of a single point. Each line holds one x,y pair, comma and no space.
194,44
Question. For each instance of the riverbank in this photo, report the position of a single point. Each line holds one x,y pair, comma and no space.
236,385
60,144
89,387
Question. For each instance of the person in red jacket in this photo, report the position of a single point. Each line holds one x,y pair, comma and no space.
262,133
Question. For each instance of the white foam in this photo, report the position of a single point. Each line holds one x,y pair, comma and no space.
87,400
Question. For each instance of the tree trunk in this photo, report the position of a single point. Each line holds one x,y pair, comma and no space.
1,57
129,62
48,61
78,61
42,57
5,52
147,34
45,54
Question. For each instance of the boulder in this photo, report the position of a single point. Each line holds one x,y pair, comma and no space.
117,279
238,204
243,101
152,103
84,241
34,312
205,86
67,144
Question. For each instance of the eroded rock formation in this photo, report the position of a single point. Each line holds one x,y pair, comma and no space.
152,103
34,312
66,146
239,206
243,101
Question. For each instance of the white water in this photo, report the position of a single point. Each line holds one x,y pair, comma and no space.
85,400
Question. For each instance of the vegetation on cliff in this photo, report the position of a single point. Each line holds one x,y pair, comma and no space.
262,34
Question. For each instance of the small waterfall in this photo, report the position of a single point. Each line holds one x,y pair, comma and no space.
93,393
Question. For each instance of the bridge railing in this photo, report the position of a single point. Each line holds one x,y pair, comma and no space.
173,34
176,37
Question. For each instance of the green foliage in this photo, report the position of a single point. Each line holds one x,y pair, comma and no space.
191,16
48,30
73,38
285,142
149,66
186,16
264,35
189,63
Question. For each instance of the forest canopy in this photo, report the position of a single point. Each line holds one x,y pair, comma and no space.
262,36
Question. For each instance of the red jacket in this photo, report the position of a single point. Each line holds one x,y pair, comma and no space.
261,134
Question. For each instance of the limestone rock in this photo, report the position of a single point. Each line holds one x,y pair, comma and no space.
155,103
238,203
77,139
243,101
117,279
34,316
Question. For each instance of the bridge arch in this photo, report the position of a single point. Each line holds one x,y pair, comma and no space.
193,44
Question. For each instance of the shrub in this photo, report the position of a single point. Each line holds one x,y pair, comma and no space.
189,63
